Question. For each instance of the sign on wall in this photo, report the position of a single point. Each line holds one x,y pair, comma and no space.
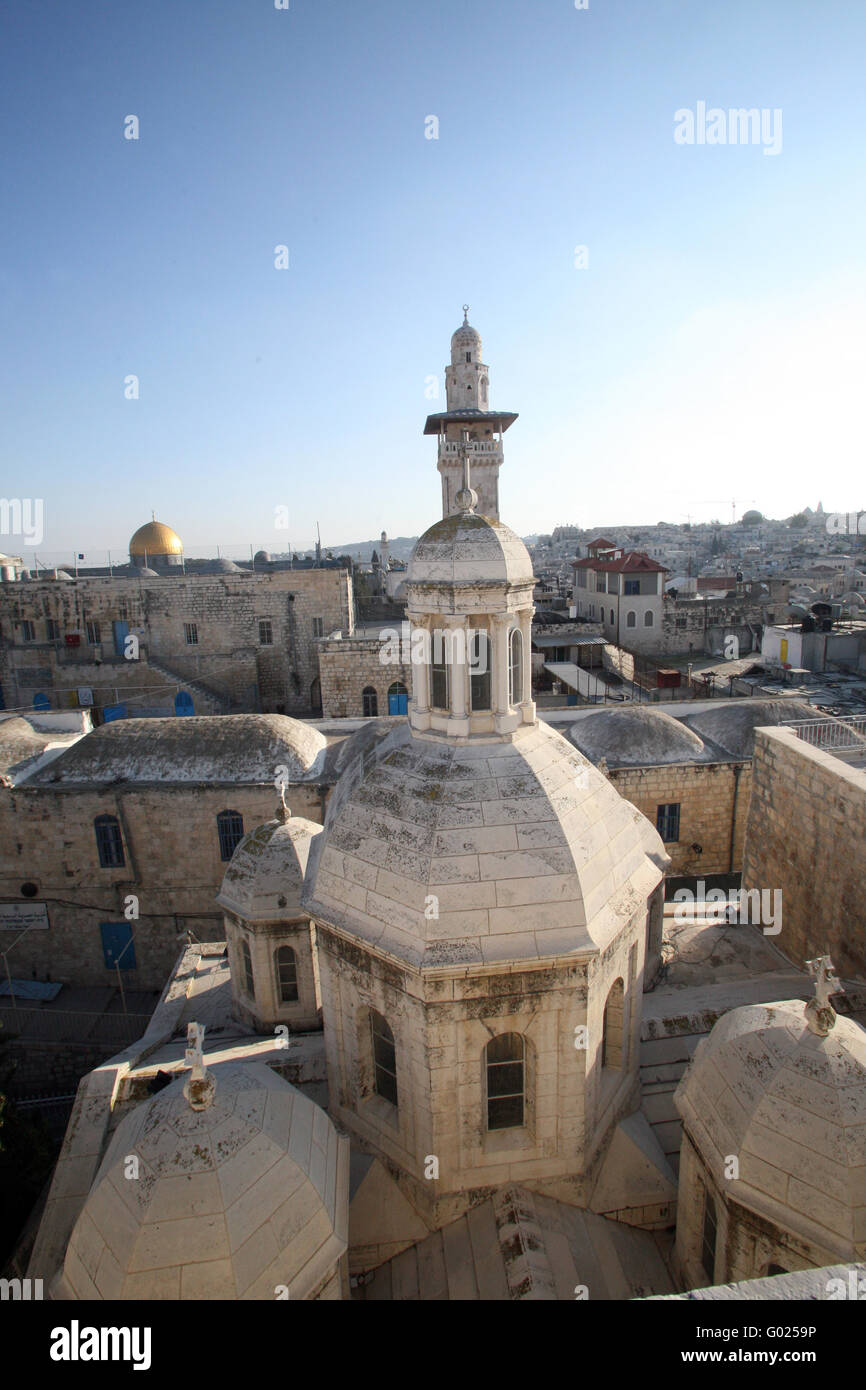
85,695
18,916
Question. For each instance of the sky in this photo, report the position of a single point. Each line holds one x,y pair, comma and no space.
703,355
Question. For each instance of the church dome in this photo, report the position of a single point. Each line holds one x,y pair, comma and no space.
791,1104
230,1201
155,539
264,879
526,849
465,549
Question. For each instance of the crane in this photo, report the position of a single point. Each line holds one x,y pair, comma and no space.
713,501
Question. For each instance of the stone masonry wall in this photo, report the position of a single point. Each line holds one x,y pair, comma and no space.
705,793
350,665
806,835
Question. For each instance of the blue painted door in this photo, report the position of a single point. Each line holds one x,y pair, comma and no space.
121,632
41,701
183,702
398,699
118,947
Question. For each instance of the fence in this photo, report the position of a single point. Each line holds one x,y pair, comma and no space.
70,1026
846,736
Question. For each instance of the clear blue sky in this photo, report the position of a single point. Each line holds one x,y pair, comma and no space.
713,348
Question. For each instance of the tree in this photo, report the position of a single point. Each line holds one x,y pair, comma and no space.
798,521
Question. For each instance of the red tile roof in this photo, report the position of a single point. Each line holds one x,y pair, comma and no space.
630,561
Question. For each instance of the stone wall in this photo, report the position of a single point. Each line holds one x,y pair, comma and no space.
712,797
806,835
349,666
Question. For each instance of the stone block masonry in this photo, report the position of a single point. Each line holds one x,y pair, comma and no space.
351,666
713,799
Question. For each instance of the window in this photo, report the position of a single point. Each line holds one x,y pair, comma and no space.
469,357
109,843
286,969
611,617
630,618
612,1029
230,826
318,627
384,1058
632,586
668,821
515,666
53,627
28,630
370,702
505,1058
479,670
682,622
190,632
708,1238
648,618
247,969
266,633
439,674
93,634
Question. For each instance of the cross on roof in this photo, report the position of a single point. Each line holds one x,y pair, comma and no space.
827,982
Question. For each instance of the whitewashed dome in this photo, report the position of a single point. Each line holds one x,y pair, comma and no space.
468,549
230,1201
791,1105
525,850
265,875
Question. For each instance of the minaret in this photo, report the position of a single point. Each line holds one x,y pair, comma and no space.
469,420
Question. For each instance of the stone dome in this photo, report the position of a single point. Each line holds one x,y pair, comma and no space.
791,1104
265,876
465,337
223,566
230,1201
635,737
155,538
145,572
466,549
526,848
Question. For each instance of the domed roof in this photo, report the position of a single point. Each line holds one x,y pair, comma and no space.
466,548
465,335
635,737
264,879
527,850
732,723
145,572
223,566
791,1104
229,1201
155,539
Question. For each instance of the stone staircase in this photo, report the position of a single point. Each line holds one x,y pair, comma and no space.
205,699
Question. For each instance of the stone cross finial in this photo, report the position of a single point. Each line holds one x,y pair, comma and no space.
820,1014
467,497
200,1085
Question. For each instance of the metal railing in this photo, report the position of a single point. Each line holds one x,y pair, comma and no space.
845,735
70,1025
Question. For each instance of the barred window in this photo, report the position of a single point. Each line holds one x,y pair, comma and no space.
505,1057
286,968
190,632
230,828
370,702
266,633
109,843
384,1058
479,670
93,634
515,666
668,821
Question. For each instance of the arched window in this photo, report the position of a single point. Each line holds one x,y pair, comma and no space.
247,969
384,1058
440,685
630,618
109,842
611,617
398,698
708,1238
230,827
648,618
479,670
370,702
515,666
611,1038
286,969
505,1058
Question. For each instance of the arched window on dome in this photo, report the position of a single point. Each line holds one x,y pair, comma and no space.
515,666
384,1058
648,618
370,701
630,618
230,828
286,970
505,1066
479,669
612,1031
247,969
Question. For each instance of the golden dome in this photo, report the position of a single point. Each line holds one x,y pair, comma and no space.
155,539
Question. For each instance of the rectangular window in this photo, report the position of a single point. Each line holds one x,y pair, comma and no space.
318,627
479,671
53,627
668,821
230,826
632,586
384,1060
28,631
94,636
190,632
266,633
109,844
439,691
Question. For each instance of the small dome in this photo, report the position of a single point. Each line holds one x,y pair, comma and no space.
261,557
62,574
223,566
145,572
465,338
155,539
635,737
466,548
791,1104
230,1201
264,879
